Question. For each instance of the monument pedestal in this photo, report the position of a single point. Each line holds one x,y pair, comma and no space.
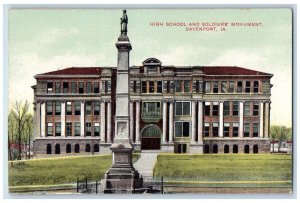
121,177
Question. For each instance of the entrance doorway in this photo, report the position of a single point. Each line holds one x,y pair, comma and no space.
151,138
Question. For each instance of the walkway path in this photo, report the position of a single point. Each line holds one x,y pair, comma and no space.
145,164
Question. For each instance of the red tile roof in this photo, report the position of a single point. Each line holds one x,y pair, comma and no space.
230,70
76,71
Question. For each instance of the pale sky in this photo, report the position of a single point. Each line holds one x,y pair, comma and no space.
46,40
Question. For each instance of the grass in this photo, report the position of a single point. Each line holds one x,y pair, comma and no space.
62,170
226,170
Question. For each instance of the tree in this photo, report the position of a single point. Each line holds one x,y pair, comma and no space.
274,134
28,133
11,135
283,136
19,113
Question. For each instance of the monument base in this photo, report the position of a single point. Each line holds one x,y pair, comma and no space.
121,177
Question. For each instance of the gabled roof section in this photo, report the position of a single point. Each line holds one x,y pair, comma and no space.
231,70
75,71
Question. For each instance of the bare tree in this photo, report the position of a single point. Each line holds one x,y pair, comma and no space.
28,133
283,136
19,112
11,135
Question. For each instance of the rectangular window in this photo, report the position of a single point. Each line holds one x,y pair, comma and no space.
49,108
49,87
49,129
81,87
235,129
207,87
144,87
89,87
77,108
159,86
247,108
216,87
69,108
88,129
57,87
248,87
73,87
207,109
226,108
151,86
186,86
235,111
246,129
226,129
255,129
57,108
183,108
256,87
68,129
96,129
182,129
151,108
96,87
239,86
58,129
65,87
77,128
215,110
255,109
178,85
96,108
231,86
206,129
88,108
215,129
224,86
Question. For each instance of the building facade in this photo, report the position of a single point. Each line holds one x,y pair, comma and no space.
181,109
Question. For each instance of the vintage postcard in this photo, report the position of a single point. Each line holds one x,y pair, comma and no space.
150,101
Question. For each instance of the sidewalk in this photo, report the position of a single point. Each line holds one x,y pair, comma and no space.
145,165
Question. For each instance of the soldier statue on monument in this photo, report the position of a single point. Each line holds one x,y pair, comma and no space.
124,22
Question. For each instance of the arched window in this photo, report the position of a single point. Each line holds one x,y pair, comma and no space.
49,149
151,131
77,148
96,147
246,149
215,149
87,148
68,148
235,149
226,149
206,149
255,149
57,149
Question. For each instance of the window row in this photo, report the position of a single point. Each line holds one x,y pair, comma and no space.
73,108
154,108
235,149
231,108
157,86
78,87
231,86
57,149
231,129
73,129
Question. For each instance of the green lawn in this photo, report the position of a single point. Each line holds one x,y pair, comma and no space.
217,170
52,171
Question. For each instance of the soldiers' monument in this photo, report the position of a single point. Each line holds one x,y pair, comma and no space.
122,176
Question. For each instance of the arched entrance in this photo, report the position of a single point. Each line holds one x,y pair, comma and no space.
226,149
206,149
246,149
151,136
215,149
255,149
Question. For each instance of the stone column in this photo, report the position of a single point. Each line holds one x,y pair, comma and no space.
131,121
137,124
82,118
171,123
102,120
200,122
63,119
164,121
266,123
241,123
43,119
221,119
261,120
38,120
108,122
193,140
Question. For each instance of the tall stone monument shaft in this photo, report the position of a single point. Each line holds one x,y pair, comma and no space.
122,177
